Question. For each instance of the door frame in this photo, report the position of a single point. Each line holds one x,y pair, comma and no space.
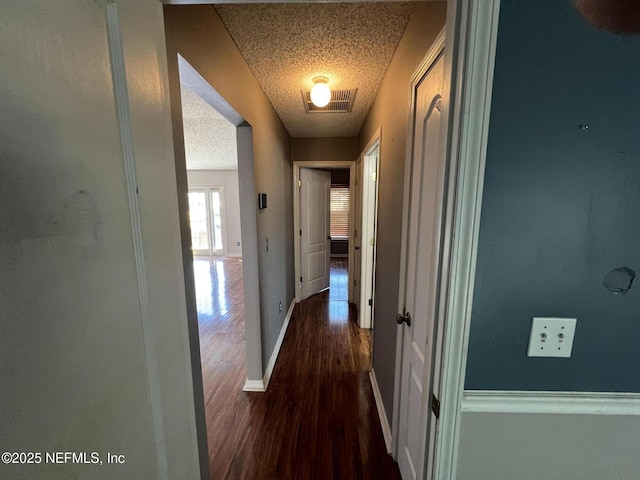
296,215
469,82
470,48
368,226
180,71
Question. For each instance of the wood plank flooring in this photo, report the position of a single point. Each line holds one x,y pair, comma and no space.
318,419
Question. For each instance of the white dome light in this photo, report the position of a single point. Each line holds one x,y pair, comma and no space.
320,93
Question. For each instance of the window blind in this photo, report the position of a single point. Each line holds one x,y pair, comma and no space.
340,200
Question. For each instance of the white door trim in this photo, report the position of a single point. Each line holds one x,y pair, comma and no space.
563,403
469,64
368,229
296,215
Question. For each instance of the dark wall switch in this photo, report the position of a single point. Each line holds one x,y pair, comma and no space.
262,200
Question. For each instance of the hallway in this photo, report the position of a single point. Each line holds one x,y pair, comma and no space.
318,418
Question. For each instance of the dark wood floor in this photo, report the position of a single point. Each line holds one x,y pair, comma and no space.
318,419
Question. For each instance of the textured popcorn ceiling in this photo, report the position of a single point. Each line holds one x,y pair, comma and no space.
287,45
209,139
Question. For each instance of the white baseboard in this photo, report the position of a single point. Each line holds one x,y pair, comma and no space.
254,386
276,348
583,403
384,423
261,385
234,255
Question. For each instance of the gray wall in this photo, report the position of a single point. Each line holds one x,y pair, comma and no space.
560,203
324,149
537,446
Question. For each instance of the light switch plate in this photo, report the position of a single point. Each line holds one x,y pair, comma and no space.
551,337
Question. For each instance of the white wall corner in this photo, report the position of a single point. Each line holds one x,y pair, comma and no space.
564,403
276,348
384,422
254,386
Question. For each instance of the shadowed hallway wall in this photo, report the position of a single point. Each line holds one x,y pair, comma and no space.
390,111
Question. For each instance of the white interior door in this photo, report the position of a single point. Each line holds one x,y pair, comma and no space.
417,422
368,242
315,243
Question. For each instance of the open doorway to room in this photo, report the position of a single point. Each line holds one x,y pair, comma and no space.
323,220
339,221
348,191
324,244
218,147
211,155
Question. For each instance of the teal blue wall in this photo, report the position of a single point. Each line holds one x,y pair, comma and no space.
561,203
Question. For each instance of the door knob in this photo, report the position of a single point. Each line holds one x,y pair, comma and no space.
403,318
357,247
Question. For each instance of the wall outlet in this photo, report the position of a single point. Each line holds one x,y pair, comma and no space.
551,337
237,244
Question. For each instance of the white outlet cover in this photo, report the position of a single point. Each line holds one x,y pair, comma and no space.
551,337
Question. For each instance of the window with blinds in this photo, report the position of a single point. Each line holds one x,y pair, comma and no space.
340,199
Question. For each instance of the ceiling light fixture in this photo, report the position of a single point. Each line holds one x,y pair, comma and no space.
320,93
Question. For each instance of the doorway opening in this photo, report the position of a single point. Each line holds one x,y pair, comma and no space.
350,220
219,198
339,221
323,210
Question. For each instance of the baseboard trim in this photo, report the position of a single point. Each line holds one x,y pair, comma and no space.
276,349
581,403
384,423
234,255
261,385
254,386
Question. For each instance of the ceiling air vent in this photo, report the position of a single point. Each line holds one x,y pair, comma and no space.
341,102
